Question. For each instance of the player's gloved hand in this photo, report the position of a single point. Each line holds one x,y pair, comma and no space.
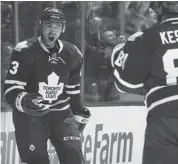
31,103
82,117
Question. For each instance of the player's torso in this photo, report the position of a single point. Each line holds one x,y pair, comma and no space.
162,81
49,72
164,59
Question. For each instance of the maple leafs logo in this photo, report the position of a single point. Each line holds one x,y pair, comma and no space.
52,90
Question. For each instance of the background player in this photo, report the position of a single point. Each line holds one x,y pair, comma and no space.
43,88
148,62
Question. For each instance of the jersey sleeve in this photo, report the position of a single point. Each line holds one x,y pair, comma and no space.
131,62
72,88
73,85
17,76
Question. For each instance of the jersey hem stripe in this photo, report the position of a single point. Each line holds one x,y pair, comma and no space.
15,82
162,101
116,74
12,88
60,109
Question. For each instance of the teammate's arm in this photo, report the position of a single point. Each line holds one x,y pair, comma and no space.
131,63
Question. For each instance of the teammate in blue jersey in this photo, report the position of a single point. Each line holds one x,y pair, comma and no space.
148,63
43,88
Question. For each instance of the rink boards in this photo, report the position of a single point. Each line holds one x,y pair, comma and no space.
114,135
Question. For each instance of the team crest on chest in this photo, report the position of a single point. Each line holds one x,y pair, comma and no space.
54,58
52,89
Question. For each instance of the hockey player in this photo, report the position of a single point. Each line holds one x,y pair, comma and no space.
148,62
43,88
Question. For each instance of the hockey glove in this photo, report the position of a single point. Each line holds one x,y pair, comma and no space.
31,103
82,117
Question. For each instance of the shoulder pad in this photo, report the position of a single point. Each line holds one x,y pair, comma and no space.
20,46
135,35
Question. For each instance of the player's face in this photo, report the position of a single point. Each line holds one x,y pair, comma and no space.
51,32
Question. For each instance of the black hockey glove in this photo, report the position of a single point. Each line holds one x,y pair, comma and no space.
82,117
31,103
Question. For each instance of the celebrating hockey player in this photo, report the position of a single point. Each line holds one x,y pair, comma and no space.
148,62
43,88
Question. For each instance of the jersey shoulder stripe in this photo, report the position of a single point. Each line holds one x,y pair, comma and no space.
25,44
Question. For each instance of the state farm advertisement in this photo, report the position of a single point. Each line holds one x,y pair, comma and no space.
114,135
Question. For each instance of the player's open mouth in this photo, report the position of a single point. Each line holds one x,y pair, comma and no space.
51,38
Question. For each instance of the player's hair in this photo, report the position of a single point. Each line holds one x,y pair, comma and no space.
134,17
138,7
